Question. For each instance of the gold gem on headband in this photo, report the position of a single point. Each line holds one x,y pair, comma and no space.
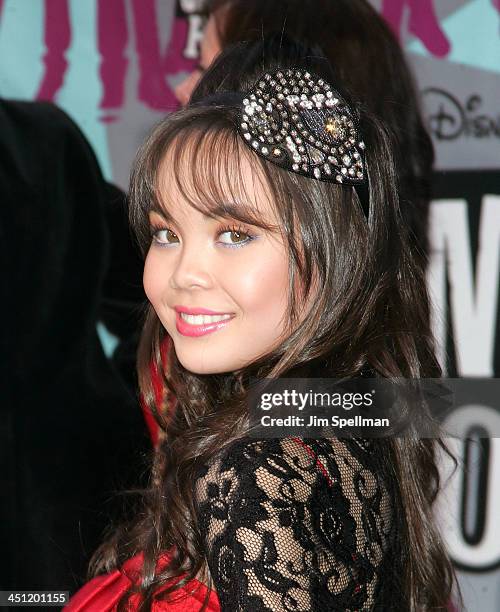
298,121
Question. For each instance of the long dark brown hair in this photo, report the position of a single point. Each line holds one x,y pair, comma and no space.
372,311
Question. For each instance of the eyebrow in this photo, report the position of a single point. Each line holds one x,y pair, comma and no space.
161,212
226,210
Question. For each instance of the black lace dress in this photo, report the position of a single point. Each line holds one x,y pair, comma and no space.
299,524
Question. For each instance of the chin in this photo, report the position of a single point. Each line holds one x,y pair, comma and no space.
206,365
203,359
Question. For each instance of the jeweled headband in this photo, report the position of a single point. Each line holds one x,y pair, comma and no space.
297,120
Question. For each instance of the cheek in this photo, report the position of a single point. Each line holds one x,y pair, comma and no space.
154,278
262,291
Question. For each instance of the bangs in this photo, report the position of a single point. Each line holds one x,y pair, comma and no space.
207,166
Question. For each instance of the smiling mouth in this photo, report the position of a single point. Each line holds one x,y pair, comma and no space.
201,324
203,319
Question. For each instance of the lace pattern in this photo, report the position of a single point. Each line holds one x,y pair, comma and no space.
296,524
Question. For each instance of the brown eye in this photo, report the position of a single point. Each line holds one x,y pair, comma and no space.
164,236
234,237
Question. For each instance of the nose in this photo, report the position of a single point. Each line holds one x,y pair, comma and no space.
186,87
192,269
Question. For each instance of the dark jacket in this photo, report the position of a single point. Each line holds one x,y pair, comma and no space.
71,432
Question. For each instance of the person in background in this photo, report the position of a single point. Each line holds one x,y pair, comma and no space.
366,58
71,430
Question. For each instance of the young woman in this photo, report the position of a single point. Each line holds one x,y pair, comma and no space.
274,247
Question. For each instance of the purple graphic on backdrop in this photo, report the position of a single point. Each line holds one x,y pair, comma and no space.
152,89
113,37
154,65
423,23
57,39
114,62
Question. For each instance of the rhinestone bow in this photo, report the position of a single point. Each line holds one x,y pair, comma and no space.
297,120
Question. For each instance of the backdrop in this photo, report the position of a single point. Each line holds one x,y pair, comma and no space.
112,64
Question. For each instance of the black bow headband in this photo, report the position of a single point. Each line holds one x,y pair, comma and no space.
296,120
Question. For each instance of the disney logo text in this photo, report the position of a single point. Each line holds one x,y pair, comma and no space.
448,119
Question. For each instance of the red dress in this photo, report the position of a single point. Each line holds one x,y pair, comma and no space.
102,593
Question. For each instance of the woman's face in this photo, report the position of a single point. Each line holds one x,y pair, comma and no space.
220,288
209,49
